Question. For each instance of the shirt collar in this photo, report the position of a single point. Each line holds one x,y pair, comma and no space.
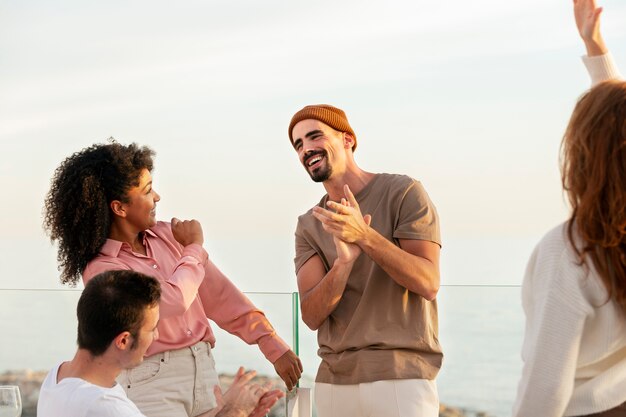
113,247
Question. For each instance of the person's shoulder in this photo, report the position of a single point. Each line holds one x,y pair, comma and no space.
98,265
556,235
401,187
72,395
397,182
573,275
113,402
162,230
556,266
552,246
400,179
556,242
51,378
161,227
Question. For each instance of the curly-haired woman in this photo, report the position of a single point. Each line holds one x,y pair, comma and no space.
574,291
101,211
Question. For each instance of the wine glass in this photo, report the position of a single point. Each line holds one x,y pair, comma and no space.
10,401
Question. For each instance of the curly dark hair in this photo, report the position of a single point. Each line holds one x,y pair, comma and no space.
76,212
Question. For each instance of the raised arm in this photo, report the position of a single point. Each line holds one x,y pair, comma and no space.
587,16
598,60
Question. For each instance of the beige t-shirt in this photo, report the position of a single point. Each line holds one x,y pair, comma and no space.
379,330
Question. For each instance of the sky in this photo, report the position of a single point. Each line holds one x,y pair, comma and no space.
471,98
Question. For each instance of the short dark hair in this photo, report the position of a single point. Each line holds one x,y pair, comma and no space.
111,303
76,212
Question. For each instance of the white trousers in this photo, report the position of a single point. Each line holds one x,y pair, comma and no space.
390,398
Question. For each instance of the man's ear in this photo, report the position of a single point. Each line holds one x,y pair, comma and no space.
118,208
123,341
348,140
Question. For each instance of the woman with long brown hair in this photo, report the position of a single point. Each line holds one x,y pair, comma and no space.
574,291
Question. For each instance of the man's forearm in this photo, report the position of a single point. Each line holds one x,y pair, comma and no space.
321,300
415,273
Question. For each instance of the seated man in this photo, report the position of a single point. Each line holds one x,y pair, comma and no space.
118,314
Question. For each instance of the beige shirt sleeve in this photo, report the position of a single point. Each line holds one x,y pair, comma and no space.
304,251
417,218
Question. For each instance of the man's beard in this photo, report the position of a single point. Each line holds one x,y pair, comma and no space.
321,174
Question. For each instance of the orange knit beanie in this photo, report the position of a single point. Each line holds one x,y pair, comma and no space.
332,116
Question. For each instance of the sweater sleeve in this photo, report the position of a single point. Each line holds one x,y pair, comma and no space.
601,68
555,312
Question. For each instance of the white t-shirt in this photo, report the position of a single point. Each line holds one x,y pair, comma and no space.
75,397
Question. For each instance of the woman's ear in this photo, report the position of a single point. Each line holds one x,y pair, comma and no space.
117,207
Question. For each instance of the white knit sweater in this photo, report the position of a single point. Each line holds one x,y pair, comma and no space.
574,347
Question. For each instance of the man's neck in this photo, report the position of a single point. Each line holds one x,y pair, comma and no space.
98,370
356,179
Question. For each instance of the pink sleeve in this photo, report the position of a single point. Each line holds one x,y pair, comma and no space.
180,289
234,312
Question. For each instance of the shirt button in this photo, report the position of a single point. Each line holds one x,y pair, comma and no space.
188,332
155,266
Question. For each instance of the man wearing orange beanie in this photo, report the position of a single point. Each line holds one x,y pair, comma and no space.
367,262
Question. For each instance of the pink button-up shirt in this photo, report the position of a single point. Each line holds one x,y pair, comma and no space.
192,289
